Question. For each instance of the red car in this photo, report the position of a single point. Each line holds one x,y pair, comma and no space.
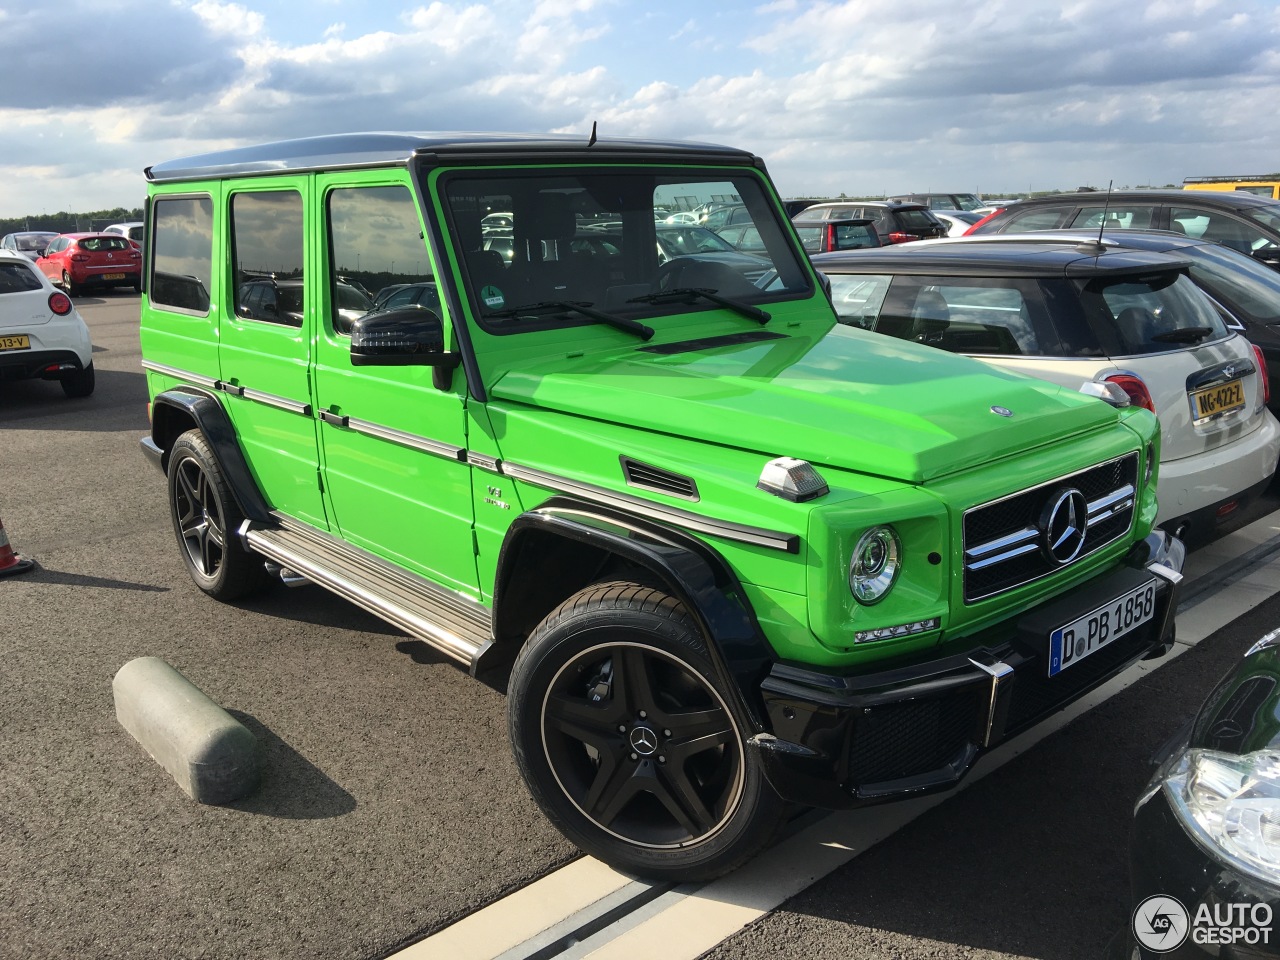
78,260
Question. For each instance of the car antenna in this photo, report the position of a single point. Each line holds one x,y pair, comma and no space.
1097,247
592,141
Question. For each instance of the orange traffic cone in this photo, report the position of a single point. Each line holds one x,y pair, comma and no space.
10,562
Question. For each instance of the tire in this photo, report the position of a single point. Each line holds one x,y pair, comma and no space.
67,285
205,519
628,743
80,383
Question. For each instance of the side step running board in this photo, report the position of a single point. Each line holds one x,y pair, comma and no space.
456,626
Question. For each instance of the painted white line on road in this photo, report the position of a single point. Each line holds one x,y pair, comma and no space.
684,923
521,916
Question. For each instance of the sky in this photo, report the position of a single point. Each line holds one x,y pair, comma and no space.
860,97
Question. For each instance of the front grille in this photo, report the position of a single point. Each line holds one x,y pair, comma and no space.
1005,547
912,737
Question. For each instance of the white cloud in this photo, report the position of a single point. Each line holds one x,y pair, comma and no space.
856,96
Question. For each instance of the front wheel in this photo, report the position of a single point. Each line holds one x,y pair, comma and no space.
205,519
628,743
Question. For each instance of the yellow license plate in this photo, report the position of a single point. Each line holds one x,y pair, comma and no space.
1215,401
113,276
17,342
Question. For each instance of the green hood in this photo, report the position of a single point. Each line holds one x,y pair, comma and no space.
850,399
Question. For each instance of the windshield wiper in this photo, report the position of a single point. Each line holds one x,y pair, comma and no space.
1184,335
643,331
688,293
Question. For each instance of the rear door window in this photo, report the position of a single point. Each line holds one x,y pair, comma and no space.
266,235
1116,216
1219,227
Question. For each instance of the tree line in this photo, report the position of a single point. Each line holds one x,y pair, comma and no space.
64,222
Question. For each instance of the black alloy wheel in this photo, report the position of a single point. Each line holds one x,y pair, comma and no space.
205,519
628,743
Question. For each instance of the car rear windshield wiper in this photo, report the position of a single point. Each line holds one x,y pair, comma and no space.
1184,335
688,293
643,331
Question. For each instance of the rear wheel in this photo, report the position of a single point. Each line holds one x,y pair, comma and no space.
72,289
80,383
630,745
205,519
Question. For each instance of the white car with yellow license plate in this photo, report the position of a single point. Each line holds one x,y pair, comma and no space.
1125,323
42,335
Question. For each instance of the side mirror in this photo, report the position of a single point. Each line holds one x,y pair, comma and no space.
405,336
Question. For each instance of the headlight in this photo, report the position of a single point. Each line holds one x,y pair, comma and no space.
876,561
1231,805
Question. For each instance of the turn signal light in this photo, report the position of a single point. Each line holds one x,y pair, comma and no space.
1136,389
60,303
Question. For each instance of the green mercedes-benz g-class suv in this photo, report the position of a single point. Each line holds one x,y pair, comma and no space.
731,552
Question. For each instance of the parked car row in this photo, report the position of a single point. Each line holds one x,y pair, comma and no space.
78,261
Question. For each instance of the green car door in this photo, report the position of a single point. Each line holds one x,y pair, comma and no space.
394,445
264,344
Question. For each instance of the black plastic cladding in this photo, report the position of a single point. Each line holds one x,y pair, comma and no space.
697,577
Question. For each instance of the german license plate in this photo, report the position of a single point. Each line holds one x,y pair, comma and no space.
1214,401
1070,644
18,341
113,276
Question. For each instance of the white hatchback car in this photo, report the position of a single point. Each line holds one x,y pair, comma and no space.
42,335
1128,324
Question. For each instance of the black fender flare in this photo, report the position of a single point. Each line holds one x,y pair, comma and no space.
174,408
695,575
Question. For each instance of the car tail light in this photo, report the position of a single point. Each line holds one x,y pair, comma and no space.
134,254
1262,373
978,226
899,237
80,257
60,303
829,241
1135,388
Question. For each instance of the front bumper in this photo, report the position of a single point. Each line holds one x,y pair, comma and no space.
844,740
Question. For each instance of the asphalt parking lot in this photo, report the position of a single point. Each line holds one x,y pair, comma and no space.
391,805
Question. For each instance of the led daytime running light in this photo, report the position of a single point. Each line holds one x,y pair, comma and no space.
902,630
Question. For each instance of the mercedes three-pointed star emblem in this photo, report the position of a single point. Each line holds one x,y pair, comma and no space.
1063,526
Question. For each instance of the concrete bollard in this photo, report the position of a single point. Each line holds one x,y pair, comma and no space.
211,755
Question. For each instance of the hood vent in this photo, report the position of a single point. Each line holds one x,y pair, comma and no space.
646,477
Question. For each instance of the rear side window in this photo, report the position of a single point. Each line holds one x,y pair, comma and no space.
1035,220
999,316
17,278
266,239
182,253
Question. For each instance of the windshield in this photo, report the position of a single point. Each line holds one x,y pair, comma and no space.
609,241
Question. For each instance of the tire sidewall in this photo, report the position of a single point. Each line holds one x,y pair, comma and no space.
557,642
